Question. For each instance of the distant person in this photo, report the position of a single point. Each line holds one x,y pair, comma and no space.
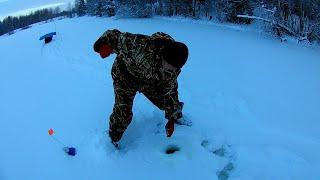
145,64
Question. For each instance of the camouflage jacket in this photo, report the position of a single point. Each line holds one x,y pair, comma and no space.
141,57
143,60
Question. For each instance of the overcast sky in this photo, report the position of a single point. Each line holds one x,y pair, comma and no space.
12,7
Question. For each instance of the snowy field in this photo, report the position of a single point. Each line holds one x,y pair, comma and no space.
254,103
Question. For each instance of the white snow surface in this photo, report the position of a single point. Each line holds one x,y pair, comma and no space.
255,97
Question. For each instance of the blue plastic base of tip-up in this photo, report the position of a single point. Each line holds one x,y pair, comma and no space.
71,151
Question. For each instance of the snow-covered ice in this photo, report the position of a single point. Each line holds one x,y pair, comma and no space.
254,103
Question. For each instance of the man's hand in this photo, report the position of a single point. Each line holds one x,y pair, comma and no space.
170,128
101,47
105,51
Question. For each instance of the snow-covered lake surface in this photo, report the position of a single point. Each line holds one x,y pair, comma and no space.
24,7
254,103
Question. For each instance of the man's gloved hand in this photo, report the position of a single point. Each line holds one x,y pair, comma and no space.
170,127
105,51
103,48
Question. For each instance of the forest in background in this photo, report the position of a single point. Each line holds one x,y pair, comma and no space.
282,18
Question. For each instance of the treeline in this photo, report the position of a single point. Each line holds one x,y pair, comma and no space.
299,18
9,24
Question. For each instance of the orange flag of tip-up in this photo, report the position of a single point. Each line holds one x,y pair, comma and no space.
50,131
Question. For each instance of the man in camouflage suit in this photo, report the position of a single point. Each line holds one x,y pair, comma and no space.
146,64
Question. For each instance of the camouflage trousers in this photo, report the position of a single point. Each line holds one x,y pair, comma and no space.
125,89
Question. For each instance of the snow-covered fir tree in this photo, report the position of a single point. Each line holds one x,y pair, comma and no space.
81,8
